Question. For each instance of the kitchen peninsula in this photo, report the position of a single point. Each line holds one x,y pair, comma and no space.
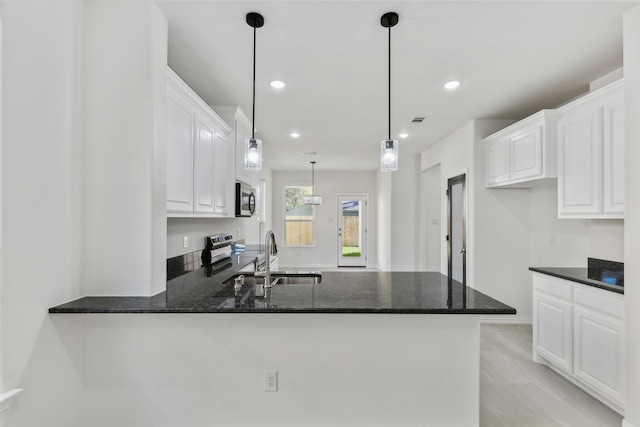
373,348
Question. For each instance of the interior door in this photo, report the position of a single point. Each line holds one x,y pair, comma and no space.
457,233
352,230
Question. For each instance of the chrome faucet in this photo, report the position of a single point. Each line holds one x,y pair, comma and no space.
266,273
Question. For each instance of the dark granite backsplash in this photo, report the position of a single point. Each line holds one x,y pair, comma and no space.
182,264
610,272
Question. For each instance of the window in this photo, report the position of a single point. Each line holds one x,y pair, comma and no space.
298,217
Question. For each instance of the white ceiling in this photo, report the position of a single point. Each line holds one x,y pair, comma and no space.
513,58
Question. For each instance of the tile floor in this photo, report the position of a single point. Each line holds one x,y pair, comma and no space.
515,391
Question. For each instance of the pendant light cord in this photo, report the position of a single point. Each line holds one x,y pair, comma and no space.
389,83
253,111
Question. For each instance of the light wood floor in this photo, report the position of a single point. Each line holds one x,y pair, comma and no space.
515,391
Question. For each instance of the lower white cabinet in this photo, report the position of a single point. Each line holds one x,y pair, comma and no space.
553,330
579,330
598,344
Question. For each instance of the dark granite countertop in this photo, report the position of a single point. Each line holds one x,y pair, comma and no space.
578,275
338,292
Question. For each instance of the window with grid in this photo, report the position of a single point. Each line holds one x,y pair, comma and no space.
298,217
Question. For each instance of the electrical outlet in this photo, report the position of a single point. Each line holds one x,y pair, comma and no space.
185,241
271,381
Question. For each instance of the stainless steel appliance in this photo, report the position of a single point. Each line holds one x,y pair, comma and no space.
218,247
245,200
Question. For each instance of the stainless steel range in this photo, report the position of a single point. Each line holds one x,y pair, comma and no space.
218,247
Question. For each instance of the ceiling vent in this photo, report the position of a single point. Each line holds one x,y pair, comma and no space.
418,119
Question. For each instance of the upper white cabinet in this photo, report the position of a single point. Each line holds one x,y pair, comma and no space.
591,155
522,153
197,155
241,125
180,133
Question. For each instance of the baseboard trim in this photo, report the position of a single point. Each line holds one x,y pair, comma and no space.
506,319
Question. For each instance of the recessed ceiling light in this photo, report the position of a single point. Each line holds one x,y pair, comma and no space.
294,134
403,135
452,84
278,84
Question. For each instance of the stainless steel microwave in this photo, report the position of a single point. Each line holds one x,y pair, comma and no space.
245,200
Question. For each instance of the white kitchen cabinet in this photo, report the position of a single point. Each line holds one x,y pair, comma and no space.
523,153
224,190
579,330
598,345
591,155
180,134
197,155
553,320
203,165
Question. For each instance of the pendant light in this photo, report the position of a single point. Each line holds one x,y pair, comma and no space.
313,199
389,147
253,146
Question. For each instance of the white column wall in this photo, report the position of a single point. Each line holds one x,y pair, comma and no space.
632,215
124,176
41,105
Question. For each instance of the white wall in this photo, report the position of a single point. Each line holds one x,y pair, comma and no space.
41,107
607,239
333,370
405,206
431,219
384,219
124,149
328,185
454,154
632,215
555,242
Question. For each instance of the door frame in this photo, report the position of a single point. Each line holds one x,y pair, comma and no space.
365,227
458,179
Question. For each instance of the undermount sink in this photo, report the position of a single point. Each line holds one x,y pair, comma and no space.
281,278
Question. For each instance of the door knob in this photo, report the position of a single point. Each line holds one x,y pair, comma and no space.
463,251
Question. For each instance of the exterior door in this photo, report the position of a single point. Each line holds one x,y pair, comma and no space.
352,230
457,228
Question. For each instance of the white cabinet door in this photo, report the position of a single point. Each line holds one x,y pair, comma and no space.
204,165
497,162
580,163
179,128
613,158
526,154
222,186
591,155
553,329
599,352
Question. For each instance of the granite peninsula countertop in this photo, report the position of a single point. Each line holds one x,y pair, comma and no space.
338,292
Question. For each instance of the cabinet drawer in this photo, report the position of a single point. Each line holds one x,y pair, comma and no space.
556,287
599,300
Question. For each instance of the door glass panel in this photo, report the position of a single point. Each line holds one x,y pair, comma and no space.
457,218
351,229
352,239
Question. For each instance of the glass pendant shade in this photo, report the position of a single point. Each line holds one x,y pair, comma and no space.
313,200
389,155
253,154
